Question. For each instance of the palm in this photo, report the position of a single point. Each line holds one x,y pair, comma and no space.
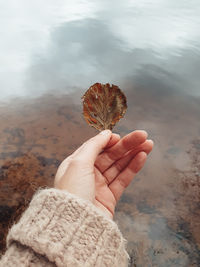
104,198
102,178
116,167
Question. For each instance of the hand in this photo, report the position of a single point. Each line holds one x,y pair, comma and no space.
101,169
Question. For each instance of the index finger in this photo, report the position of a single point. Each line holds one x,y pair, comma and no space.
128,142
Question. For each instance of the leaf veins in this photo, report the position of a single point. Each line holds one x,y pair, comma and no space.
103,105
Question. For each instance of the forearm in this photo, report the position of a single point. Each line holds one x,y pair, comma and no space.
63,230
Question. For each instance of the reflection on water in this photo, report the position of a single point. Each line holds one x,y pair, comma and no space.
47,45
50,53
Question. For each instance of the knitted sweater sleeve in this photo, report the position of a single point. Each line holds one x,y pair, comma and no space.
60,229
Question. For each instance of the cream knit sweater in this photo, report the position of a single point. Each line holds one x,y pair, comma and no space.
60,229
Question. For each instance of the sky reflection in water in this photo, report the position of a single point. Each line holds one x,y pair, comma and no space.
151,50
63,45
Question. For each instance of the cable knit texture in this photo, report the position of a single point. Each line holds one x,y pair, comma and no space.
60,229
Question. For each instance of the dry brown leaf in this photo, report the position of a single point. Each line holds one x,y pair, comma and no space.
103,105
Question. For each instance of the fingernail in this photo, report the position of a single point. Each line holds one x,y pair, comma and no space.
151,141
146,134
105,132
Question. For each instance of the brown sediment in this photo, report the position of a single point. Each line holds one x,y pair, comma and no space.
158,214
35,137
20,178
188,197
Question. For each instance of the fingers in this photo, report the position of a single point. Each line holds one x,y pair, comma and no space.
113,140
128,142
89,151
126,176
64,165
122,163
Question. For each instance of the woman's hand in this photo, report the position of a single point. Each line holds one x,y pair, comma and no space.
101,169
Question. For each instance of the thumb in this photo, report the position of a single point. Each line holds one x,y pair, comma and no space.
91,149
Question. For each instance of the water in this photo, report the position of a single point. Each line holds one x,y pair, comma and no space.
46,46
51,52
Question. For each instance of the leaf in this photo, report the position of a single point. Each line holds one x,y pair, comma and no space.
103,105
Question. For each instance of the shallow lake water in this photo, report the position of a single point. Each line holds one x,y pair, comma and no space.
50,53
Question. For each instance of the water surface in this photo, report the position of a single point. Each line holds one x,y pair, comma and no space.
50,53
